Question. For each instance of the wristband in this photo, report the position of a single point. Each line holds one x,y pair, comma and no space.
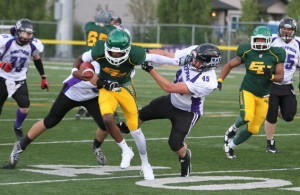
74,70
272,78
43,76
220,80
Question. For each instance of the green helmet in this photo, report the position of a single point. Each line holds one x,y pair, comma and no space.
118,41
262,32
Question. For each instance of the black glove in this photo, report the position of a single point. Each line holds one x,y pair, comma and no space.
147,66
185,60
299,86
220,83
108,85
267,72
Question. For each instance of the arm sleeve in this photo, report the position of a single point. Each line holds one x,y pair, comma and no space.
39,66
159,59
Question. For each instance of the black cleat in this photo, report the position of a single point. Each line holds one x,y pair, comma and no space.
186,164
271,148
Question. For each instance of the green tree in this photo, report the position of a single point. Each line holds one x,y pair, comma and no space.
251,13
293,11
189,14
183,12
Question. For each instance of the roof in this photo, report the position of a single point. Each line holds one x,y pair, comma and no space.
216,4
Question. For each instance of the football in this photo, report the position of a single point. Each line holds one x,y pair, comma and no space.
87,70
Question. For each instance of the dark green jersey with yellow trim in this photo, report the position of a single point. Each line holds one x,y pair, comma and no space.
120,73
95,32
255,81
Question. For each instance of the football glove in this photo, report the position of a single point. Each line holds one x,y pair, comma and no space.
44,83
147,66
185,60
268,73
7,67
108,85
220,83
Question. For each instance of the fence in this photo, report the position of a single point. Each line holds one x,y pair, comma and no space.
165,36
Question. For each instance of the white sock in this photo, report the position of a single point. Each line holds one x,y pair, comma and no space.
144,159
231,144
140,141
123,145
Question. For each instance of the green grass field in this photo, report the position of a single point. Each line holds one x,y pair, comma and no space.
60,161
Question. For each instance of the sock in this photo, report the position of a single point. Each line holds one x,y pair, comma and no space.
20,117
231,144
97,144
123,145
144,159
140,141
25,142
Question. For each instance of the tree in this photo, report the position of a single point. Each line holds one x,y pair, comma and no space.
144,13
252,12
183,12
189,14
293,11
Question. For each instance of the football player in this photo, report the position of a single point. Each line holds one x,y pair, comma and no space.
94,31
264,65
75,92
282,98
17,50
195,80
118,57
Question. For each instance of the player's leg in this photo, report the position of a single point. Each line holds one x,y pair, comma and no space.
22,98
58,110
108,104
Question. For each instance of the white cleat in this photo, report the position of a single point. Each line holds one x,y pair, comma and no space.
147,171
126,158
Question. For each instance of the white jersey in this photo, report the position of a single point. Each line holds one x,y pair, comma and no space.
292,59
199,84
18,56
79,90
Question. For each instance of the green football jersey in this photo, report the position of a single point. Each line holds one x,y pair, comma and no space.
255,81
120,73
96,32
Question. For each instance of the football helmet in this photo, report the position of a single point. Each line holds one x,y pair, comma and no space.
208,54
261,32
118,41
24,31
287,23
103,17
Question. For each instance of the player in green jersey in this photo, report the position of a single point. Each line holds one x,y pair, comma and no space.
264,64
118,57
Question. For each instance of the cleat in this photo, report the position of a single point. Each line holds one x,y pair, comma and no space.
80,112
147,171
126,158
18,132
186,164
99,155
229,152
271,148
230,133
15,154
123,127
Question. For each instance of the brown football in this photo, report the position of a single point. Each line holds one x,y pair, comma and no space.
87,70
